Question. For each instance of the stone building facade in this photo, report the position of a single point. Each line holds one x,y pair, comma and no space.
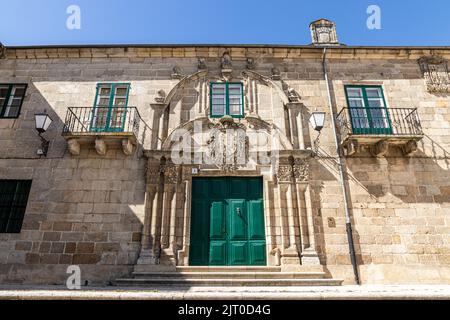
145,163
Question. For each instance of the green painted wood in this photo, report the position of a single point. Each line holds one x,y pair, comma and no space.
112,117
372,116
227,222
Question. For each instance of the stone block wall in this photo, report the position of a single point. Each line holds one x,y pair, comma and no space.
89,209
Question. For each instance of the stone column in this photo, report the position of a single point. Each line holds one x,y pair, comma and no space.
290,259
309,254
168,213
149,233
183,254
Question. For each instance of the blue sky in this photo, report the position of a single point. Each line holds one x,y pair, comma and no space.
43,22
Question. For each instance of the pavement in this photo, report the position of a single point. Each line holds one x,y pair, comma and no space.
364,292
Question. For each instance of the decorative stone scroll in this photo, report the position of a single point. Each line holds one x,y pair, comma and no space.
435,71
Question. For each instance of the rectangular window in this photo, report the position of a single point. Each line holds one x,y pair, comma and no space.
368,110
227,99
11,99
13,202
110,107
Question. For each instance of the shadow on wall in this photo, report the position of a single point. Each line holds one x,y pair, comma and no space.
84,210
420,178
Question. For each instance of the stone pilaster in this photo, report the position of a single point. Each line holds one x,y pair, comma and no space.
301,170
296,124
148,256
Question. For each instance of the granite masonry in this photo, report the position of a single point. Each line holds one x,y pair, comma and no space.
116,201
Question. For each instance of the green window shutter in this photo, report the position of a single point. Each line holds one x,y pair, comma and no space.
11,100
226,99
13,201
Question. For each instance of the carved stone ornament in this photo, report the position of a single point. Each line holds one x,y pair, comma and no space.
170,173
323,32
2,51
276,74
301,170
292,95
435,72
284,173
153,173
161,97
251,64
177,73
228,145
226,61
202,64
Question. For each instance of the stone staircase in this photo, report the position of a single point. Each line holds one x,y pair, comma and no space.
227,276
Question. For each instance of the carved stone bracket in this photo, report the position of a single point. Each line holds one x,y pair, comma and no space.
100,146
127,147
74,147
435,72
380,148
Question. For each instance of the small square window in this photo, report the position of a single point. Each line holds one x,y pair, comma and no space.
227,99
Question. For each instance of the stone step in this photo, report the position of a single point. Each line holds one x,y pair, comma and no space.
233,275
192,282
228,269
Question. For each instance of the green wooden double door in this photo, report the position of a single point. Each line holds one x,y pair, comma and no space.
227,222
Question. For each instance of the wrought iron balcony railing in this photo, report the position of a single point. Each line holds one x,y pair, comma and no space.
379,121
98,120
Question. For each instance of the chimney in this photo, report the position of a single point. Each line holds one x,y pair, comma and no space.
323,33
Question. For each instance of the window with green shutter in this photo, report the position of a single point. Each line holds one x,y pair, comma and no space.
11,99
227,98
13,202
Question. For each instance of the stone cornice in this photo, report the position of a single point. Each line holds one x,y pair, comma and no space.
236,52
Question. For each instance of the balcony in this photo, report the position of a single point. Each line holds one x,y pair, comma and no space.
376,129
103,127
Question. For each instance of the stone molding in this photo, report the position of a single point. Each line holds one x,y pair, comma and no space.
204,52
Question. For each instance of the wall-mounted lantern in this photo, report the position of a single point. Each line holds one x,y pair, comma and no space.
42,121
317,120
